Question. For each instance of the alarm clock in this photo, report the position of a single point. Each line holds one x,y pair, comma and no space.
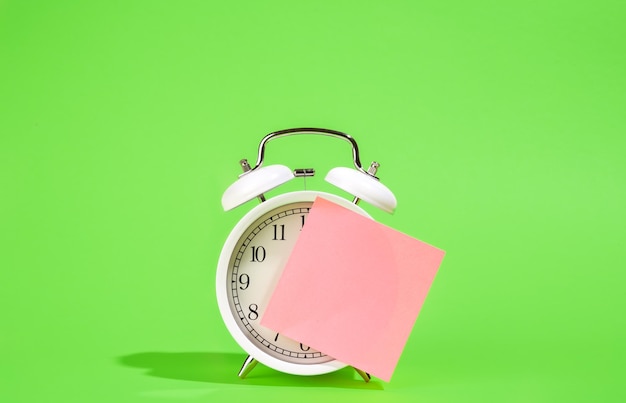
257,249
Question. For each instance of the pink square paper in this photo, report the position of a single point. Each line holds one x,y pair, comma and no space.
352,288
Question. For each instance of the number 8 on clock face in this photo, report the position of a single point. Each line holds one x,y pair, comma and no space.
254,256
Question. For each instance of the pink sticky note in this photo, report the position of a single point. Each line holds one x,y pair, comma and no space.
352,288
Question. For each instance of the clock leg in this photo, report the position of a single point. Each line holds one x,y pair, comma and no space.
366,377
248,365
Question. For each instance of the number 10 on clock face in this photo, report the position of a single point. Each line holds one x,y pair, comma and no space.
255,267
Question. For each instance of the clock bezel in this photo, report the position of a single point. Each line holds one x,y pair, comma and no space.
223,283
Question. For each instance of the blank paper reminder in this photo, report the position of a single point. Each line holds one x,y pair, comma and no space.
352,288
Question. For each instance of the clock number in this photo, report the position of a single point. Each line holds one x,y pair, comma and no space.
279,233
244,280
276,338
304,348
253,314
302,223
258,254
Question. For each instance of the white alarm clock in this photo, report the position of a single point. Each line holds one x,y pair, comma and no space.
257,250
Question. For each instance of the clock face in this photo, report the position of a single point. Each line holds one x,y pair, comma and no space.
254,269
250,265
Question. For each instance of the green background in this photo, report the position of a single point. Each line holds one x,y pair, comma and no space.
498,125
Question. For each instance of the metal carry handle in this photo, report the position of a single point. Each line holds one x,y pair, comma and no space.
309,130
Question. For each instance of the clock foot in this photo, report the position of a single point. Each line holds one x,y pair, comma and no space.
248,365
366,377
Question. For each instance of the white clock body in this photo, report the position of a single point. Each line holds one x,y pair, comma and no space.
249,267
